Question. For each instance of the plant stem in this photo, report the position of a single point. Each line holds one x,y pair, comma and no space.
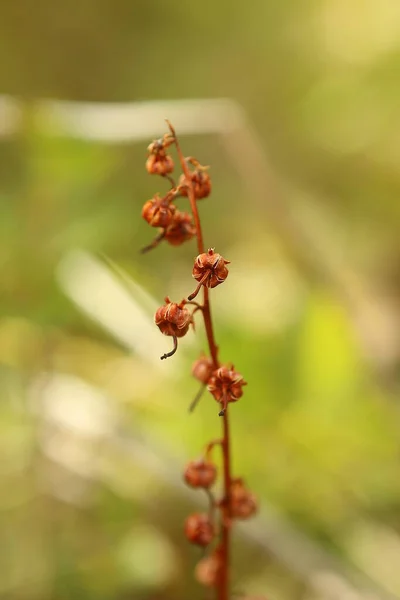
226,516
223,579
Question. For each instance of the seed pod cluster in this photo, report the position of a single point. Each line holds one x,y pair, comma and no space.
177,226
208,530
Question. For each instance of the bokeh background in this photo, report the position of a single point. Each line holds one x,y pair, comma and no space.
94,429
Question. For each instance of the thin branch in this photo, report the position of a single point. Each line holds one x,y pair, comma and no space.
196,399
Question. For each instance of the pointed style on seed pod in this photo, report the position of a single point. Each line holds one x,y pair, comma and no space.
158,161
159,212
243,504
208,569
201,183
226,385
200,473
209,270
203,368
181,229
199,529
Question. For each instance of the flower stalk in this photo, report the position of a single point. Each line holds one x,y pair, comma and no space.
211,530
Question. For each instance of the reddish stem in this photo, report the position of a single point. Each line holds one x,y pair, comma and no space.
223,579
226,514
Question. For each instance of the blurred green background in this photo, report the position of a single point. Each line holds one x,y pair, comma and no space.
94,430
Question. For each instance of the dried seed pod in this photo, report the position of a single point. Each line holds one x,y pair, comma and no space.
173,319
159,212
243,504
158,161
226,385
202,369
213,264
157,165
201,182
209,270
180,229
200,473
207,571
199,529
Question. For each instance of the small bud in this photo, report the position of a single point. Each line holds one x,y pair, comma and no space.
202,369
201,184
200,473
159,162
207,570
159,212
173,319
180,229
242,502
226,385
209,270
199,529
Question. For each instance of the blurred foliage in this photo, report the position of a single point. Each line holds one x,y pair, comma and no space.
317,432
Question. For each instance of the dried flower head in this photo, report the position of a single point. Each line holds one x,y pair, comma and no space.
202,369
159,212
209,270
199,529
201,183
158,161
200,473
181,229
173,319
226,385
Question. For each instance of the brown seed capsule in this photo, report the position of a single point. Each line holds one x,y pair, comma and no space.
157,165
200,473
226,385
207,571
201,184
173,319
180,229
199,529
159,162
243,502
209,270
202,369
159,212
